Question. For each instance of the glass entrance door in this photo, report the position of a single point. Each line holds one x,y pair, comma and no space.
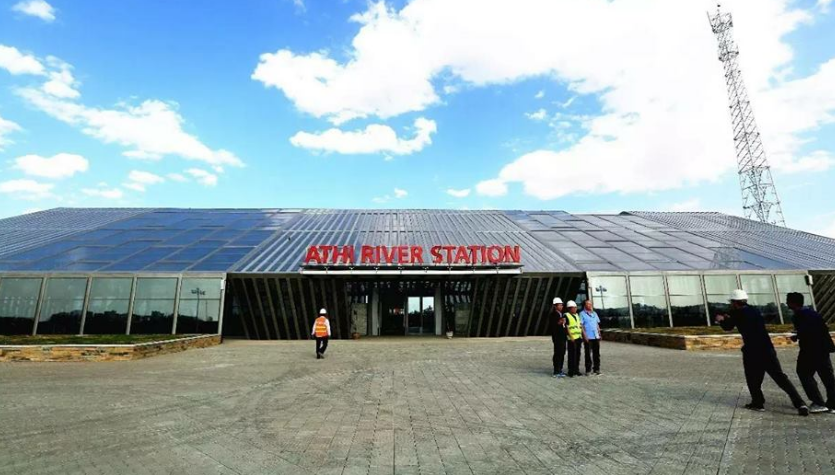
421,315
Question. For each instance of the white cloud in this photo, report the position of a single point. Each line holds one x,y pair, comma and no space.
139,180
151,129
15,62
62,165
540,114
824,5
693,204
61,82
177,177
203,177
7,127
374,138
539,95
102,191
650,64
400,193
26,189
492,187
458,193
36,8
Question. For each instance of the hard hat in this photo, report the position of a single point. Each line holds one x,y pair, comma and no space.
557,300
738,294
323,312
571,303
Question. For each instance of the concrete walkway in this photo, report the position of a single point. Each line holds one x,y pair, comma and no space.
411,406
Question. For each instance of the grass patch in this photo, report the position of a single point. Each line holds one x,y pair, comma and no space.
712,330
84,339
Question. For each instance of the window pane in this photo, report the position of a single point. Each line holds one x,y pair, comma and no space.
18,302
152,316
62,306
717,305
613,285
757,284
688,310
650,312
111,288
720,284
613,312
767,306
791,283
200,316
150,288
106,316
207,288
652,285
684,285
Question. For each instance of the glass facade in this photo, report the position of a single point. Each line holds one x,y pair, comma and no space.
649,301
761,295
107,309
611,301
153,308
63,303
687,303
792,283
199,310
18,304
717,289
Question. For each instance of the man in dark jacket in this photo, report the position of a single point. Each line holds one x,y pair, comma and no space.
556,325
815,347
758,355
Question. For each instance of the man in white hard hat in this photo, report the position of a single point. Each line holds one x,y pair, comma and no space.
574,336
556,326
321,331
758,354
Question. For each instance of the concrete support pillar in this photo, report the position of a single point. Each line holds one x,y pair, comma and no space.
375,312
439,312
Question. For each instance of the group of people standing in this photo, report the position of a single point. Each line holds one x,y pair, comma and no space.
573,332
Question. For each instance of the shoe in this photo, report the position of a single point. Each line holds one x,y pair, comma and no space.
556,375
561,374
754,407
803,410
597,373
817,409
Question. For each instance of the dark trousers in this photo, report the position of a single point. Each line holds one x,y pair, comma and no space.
559,352
591,349
574,348
757,364
321,345
809,363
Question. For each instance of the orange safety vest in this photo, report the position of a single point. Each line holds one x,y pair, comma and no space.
320,329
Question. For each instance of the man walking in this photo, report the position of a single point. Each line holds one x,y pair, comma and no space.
591,337
557,328
815,347
758,355
574,334
321,331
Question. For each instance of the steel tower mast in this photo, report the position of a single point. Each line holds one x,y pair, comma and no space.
759,196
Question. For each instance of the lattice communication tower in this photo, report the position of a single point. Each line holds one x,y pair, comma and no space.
759,196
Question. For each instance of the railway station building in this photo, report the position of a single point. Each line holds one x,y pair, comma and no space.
265,273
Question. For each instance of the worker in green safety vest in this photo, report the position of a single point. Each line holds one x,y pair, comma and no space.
574,334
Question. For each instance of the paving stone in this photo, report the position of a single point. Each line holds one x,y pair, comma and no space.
411,406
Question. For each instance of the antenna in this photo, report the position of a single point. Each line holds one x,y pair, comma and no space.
759,196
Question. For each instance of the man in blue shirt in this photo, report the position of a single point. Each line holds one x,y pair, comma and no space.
591,337
815,347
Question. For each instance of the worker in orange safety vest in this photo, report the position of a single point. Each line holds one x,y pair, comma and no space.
321,331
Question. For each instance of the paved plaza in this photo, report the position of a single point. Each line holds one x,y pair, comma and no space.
411,406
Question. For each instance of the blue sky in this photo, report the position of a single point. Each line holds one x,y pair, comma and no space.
581,106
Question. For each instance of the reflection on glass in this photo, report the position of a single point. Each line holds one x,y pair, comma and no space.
18,302
62,306
199,310
686,301
760,289
153,308
649,303
792,283
428,317
720,284
610,301
107,311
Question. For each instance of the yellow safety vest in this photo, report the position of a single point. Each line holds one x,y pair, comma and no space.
574,331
